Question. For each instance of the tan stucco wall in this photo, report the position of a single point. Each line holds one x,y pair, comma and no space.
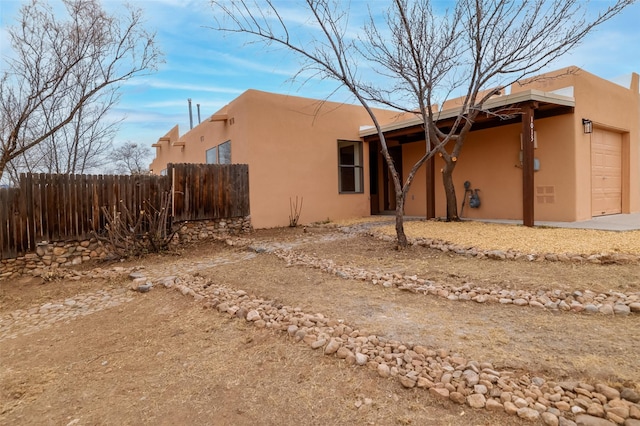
416,202
611,107
291,147
490,161
205,135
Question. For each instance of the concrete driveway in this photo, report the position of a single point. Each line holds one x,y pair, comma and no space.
614,222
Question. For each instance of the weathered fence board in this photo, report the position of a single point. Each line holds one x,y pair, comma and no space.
10,233
201,191
69,207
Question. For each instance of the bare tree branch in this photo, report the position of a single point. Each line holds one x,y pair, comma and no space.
64,70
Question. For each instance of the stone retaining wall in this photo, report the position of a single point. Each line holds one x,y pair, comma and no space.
50,256
204,229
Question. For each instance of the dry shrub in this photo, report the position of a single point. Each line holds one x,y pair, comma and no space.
128,234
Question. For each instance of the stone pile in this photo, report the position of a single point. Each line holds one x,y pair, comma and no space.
610,303
446,375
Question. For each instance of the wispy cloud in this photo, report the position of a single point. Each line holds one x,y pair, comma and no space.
214,68
169,85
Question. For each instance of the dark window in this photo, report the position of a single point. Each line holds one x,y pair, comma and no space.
220,154
224,153
212,155
350,173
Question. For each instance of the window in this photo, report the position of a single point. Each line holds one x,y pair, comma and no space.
212,155
224,153
350,174
220,154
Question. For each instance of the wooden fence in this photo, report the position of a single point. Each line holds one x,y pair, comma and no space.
49,207
202,191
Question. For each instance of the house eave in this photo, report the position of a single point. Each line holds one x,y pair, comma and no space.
493,103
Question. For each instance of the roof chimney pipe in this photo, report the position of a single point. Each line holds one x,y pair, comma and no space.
190,114
198,105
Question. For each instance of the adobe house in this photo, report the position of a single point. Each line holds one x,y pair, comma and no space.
571,152
583,159
295,147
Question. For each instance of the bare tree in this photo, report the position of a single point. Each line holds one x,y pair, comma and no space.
131,158
331,55
80,147
426,56
478,48
61,79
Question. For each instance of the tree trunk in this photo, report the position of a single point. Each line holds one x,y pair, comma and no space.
402,238
399,194
3,165
450,191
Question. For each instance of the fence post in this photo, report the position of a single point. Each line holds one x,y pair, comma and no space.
171,174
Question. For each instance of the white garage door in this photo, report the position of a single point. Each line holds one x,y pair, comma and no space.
606,172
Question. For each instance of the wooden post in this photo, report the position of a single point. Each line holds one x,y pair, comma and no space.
528,140
431,188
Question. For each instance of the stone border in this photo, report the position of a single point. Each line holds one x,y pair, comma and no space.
446,247
445,375
589,302
198,230
51,256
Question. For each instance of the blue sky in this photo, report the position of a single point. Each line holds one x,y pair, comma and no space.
212,69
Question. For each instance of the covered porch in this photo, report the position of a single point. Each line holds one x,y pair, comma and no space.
520,112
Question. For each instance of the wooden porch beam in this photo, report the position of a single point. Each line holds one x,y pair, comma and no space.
528,141
431,188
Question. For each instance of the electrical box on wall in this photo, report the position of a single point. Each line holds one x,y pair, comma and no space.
536,163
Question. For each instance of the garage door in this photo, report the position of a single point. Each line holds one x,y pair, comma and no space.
606,172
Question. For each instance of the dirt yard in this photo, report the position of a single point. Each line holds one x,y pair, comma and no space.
91,351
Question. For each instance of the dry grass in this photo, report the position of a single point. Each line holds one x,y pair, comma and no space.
490,236
164,360
364,219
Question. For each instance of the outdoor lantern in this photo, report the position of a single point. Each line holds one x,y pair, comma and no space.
587,125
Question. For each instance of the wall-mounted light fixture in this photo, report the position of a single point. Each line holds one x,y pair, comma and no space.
587,125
